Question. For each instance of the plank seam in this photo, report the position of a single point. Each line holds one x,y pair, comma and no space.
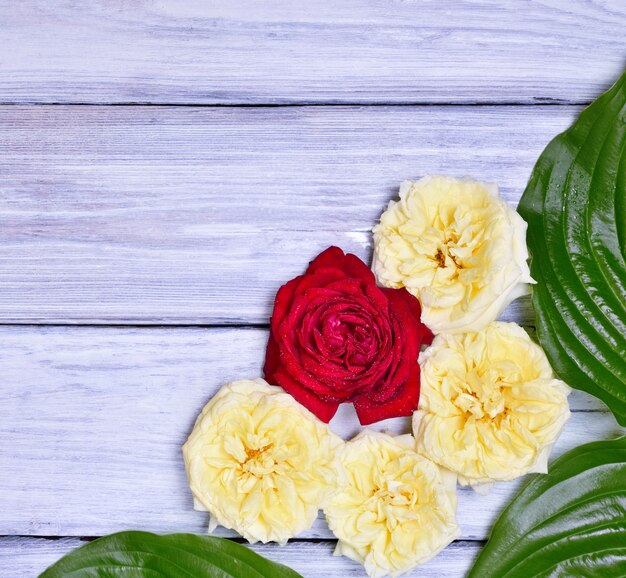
239,540
309,104
147,325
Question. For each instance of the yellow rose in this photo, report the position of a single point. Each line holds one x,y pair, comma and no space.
259,462
455,245
490,408
395,509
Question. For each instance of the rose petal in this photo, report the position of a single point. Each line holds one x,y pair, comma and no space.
324,409
404,403
334,258
272,359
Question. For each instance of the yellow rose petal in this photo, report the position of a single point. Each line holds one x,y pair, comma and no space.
395,509
259,462
455,245
490,407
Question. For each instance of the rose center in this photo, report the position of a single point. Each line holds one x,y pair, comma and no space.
259,461
447,254
390,499
254,453
351,337
482,397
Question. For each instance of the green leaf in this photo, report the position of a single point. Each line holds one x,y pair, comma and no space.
571,522
575,206
145,555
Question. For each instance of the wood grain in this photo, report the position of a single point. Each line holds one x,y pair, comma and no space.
162,215
22,557
278,51
92,421
197,215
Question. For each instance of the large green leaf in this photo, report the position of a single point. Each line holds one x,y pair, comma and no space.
575,206
571,522
145,555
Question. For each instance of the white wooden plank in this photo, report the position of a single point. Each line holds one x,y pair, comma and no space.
280,51
92,421
22,557
198,215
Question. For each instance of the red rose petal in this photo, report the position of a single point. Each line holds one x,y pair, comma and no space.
404,403
334,258
424,334
330,258
354,267
272,359
323,409
283,300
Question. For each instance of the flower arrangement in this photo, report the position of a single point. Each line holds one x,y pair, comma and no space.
485,403
449,256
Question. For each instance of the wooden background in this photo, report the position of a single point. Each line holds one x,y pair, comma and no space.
166,165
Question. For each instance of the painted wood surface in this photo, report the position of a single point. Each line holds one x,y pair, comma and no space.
280,51
179,216
197,215
26,557
92,421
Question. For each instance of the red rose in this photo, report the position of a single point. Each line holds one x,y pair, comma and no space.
337,337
